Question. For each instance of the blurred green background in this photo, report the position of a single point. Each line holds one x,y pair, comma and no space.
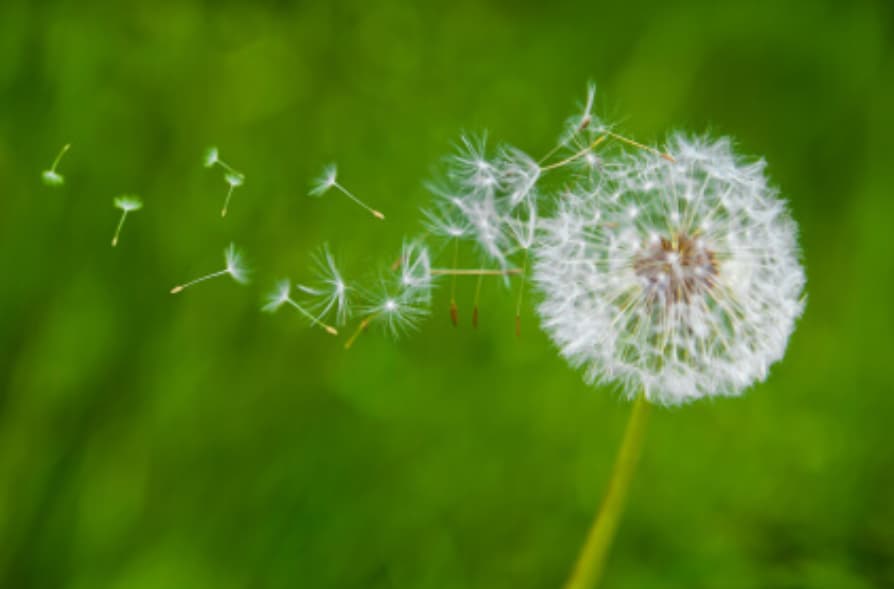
156,441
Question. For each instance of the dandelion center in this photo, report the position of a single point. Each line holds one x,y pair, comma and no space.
676,269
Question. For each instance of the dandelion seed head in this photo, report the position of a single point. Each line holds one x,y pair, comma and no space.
236,266
326,180
328,294
446,221
397,309
234,179
211,157
277,297
518,174
678,279
128,203
52,178
415,270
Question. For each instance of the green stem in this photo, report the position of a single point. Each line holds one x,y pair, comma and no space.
591,562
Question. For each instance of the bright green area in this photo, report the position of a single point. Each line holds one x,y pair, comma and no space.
150,440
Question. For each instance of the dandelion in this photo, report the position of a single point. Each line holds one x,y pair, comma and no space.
233,180
329,179
449,222
415,270
51,177
281,295
329,293
446,222
235,267
127,203
398,311
675,280
523,231
212,158
678,280
518,176
470,169
232,177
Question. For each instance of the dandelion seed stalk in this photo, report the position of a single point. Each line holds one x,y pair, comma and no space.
313,320
591,562
475,302
58,159
361,327
180,287
118,228
474,271
349,194
577,155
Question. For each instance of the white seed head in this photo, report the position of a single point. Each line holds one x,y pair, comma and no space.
415,271
446,221
523,228
518,174
328,294
236,266
326,180
128,203
212,157
584,122
234,179
277,297
680,280
398,310
470,169
52,178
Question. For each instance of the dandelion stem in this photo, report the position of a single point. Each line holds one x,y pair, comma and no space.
639,145
118,229
474,271
313,320
56,161
180,287
346,192
577,155
360,329
591,562
475,304
223,211
227,167
521,292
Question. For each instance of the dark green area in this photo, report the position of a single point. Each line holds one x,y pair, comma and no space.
153,441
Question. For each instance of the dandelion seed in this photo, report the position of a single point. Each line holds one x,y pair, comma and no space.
470,168
415,271
329,179
523,232
694,295
212,156
446,222
329,293
399,310
518,176
235,267
233,180
232,177
398,313
51,177
127,203
281,295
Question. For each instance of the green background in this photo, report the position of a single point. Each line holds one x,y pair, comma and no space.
148,440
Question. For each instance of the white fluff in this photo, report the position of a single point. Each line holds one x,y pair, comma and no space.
680,280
